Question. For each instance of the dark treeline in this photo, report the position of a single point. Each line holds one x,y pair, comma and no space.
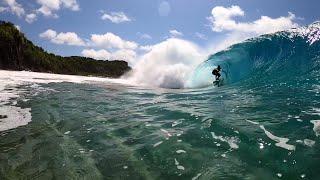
18,53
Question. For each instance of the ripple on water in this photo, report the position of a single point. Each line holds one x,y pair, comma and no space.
157,144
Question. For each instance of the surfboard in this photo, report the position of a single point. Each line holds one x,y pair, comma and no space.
218,82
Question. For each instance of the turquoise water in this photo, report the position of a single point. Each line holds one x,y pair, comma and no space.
262,124
109,131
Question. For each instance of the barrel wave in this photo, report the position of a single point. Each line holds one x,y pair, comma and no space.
283,56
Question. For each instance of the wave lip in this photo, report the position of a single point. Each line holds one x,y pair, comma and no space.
311,32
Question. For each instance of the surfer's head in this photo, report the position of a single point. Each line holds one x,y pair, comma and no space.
219,67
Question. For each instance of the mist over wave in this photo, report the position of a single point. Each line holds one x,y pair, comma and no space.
168,64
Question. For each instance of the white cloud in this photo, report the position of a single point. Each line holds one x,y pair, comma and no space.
69,38
124,54
48,34
110,40
146,48
44,10
164,8
222,20
116,17
175,33
14,7
145,36
30,18
51,4
201,36
48,7
71,4
99,54
102,54
112,46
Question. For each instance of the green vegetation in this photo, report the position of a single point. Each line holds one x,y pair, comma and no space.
18,53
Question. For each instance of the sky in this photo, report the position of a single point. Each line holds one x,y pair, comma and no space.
130,29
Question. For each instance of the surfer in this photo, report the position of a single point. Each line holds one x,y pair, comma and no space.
216,72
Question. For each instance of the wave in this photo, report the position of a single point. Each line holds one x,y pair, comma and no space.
285,55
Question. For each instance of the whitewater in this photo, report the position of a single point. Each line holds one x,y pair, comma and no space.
167,121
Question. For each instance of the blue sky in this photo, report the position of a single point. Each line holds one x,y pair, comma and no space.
132,26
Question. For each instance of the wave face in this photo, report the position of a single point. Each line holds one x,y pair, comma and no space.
285,55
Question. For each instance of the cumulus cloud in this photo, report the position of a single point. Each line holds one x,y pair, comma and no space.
71,4
102,54
116,17
30,18
48,7
112,47
96,54
110,40
68,38
175,33
222,19
124,54
14,7
48,34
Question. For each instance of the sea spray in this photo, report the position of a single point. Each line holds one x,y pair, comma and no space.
168,64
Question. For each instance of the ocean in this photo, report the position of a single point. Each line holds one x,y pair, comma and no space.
262,123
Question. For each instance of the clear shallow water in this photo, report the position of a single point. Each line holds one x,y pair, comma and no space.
104,130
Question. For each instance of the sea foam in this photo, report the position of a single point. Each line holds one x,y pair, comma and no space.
281,142
316,126
232,141
12,85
